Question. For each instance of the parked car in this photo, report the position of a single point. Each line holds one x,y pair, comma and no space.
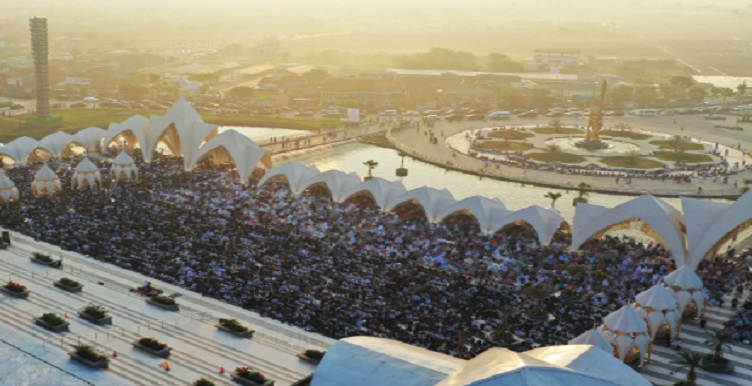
454,117
78,105
527,114
475,117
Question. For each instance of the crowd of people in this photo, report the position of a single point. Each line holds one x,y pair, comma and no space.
340,269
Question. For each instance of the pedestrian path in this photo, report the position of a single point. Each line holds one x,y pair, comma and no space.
660,371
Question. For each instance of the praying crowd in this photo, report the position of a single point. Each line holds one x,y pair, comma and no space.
343,269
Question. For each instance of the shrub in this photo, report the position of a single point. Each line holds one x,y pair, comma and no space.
15,287
315,354
68,282
96,312
164,300
88,352
233,325
247,373
52,319
152,343
42,257
203,382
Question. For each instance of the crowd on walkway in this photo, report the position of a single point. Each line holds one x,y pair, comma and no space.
340,269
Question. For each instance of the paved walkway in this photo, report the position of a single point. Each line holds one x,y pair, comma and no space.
418,145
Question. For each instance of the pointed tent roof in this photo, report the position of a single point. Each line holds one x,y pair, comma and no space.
668,222
8,190
91,137
337,181
190,129
684,278
45,182
136,124
595,338
657,297
499,366
86,171
245,153
381,190
21,148
545,221
296,174
591,360
625,320
432,200
57,142
123,159
484,209
709,222
86,166
45,174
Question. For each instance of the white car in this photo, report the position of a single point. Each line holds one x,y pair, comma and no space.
91,99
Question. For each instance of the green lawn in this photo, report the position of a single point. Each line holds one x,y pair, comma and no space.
563,130
505,146
625,162
77,119
510,135
625,134
4,105
564,158
689,158
687,145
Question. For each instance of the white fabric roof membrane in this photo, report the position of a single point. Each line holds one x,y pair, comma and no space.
245,153
45,182
484,209
657,306
57,142
190,129
123,167
138,125
687,287
295,173
21,148
591,360
589,220
708,222
625,320
381,190
91,137
87,172
8,190
594,338
499,366
336,181
367,361
544,221
432,200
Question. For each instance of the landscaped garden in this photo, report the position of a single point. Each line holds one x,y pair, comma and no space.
687,158
510,135
557,157
625,134
504,146
628,162
562,130
670,144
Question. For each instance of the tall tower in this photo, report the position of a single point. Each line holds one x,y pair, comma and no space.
40,53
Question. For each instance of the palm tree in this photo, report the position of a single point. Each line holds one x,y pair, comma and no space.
553,196
742,89
718,340
556,125
623,126
582,194
679,146
632,156
371,164
539,292
690,360
554,148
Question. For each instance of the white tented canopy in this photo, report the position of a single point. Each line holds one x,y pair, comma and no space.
123,167
591,360
24,149
594,338
336,181
245,153
709,223
485,210
380,189
86,175
657,306
181,129
91,137
668,223
432,200
367,361
499,366
45,183
295,173
8,190
132,132
59,144
687,287
545,221
626,330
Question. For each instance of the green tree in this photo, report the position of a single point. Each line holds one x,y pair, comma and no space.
553,196
621,94
679,146
726,93
632,156
556,125
741,89
690,360
621,126
697,94
502,63
553,148
719,340
512,98
540,293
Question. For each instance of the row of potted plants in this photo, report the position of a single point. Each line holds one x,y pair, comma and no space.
21,291
249,377
236,328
